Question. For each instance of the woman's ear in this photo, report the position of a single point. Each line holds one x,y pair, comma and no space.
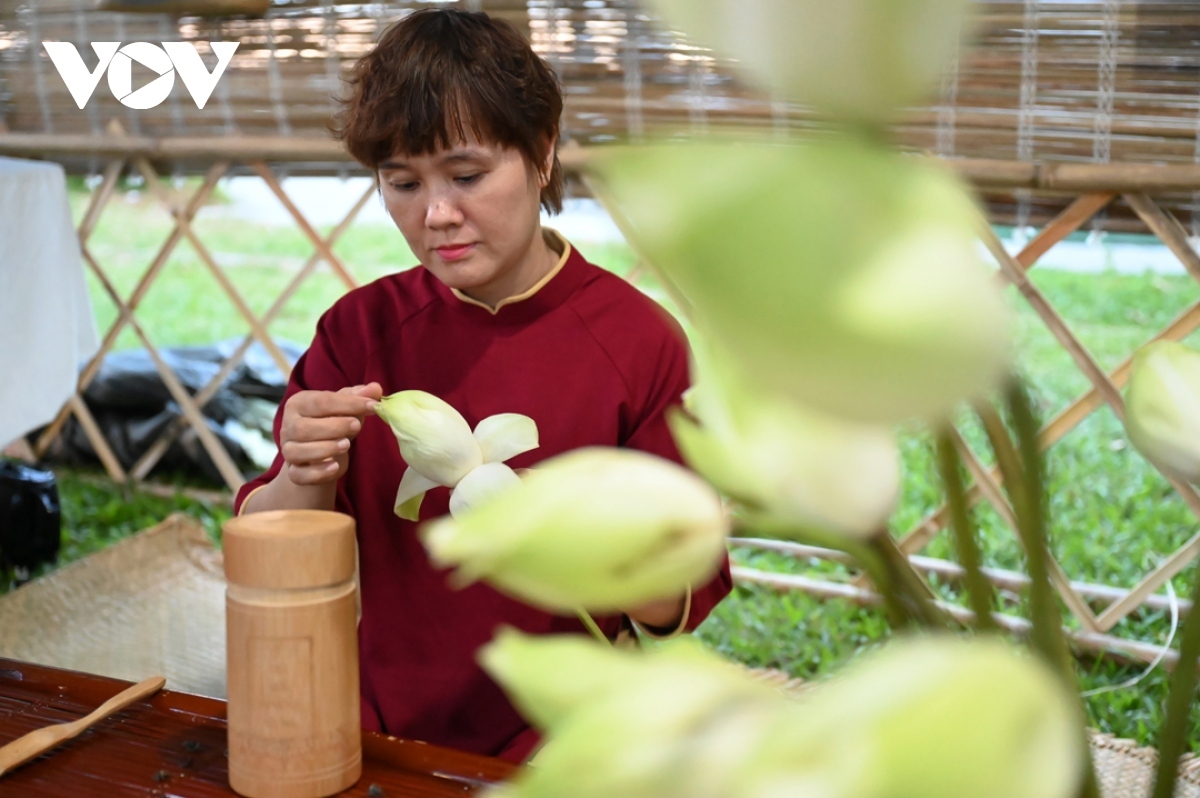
547,167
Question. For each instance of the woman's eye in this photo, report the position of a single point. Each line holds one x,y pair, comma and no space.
467,180
404,186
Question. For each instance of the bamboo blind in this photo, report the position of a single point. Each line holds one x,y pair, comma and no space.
1114,80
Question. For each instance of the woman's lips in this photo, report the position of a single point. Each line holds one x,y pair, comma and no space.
454,253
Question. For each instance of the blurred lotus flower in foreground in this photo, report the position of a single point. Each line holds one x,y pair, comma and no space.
788,462
838,273
938,717
851,59
924,718
673,722
597,528
528,667
1162,407
440,449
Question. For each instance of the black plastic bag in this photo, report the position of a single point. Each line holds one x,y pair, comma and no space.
30,516
132,406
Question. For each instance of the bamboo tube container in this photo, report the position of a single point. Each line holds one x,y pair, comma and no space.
291,625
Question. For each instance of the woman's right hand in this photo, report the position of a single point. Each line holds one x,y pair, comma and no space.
318,428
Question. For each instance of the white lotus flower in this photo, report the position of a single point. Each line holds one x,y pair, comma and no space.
598,528
787,461
674,722
440,449
1162,407
852,59
839,274
935,717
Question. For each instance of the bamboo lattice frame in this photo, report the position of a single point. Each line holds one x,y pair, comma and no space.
1104,391
1094,187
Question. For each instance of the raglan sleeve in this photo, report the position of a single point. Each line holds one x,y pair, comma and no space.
650,433
318,369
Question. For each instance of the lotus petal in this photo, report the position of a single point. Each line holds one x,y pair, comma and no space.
506,435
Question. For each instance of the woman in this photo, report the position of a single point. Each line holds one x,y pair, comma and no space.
459,119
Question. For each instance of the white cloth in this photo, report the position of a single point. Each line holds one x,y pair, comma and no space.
46,323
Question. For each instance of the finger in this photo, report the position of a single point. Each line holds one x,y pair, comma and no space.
297,453
307,430
372,392
313,474
325,404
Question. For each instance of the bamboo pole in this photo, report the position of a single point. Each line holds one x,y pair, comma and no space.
983,173
1003,579
1131,651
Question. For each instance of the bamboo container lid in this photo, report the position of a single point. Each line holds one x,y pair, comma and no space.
320,549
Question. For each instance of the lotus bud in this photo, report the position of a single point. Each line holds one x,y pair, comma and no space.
663,724
938,718
851,59
440,449
839,274
434,438
789,462
601,529
1162,407
932,717
547,677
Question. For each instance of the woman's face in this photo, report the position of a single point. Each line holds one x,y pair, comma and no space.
470,213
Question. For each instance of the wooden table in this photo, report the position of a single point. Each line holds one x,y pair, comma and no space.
174,745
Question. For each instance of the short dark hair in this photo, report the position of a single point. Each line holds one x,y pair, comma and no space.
436,73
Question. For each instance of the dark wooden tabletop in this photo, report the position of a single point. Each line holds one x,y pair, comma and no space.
173,744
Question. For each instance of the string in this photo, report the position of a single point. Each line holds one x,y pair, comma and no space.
632,57
1173,602
1027,101
947,117
1106,81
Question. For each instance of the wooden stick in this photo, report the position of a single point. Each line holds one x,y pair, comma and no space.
152,455
125,309
1067,222
319,243
1082,641
256,327
983,172
96,436
216,450
1004,579
99,199
1168,230
38,742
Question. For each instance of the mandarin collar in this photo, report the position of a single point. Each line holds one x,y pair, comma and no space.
548,294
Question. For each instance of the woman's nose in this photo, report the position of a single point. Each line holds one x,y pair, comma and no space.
441,212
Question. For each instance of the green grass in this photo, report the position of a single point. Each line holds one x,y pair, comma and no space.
96,513
1113,517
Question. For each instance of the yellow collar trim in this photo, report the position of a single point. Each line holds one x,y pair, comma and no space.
547,233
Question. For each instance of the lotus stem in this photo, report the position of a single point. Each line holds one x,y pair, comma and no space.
592,626
899,613
1173,735
1046,635
979,590
868,554
914,595
1024,476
